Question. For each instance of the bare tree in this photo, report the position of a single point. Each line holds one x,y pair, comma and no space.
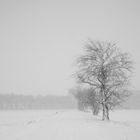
92,101
86,98
80,95
107,70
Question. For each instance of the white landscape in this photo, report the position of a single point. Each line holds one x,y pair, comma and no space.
59,55
69,125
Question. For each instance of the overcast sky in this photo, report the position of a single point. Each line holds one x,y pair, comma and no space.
40,40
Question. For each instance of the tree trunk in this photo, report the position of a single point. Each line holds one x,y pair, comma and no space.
105,112
95,110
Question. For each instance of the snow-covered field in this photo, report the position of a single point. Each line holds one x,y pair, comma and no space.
68,125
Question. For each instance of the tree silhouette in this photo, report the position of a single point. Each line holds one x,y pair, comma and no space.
107,70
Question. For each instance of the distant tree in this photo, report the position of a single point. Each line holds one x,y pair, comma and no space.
92,101
107,70
86,98
80,96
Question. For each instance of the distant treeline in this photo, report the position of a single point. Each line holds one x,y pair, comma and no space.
14,101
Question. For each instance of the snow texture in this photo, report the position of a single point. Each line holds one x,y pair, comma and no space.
69,125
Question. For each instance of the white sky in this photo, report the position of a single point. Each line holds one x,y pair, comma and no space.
39,40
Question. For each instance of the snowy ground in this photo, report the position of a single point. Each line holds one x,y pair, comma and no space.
68,125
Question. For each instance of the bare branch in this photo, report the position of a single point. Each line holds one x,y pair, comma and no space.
105,68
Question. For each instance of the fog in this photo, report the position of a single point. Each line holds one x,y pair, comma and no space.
40,40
